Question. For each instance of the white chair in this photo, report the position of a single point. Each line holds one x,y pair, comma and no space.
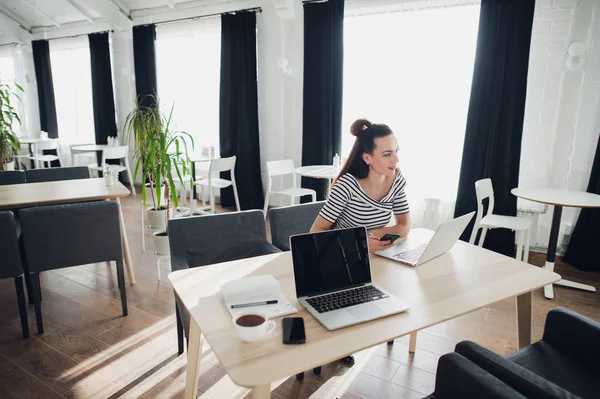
219,165
280,168
521,226
42,160
116,152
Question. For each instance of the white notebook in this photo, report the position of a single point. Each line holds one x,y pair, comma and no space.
256,289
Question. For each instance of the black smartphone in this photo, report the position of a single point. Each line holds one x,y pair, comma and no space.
390,237
293,330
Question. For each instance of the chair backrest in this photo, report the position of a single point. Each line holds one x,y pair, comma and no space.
483,190
222,165
56,174
12,177
204,240
278,168
9,247
60,236
119,152
41,145
289,220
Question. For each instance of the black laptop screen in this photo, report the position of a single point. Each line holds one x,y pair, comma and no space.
330,261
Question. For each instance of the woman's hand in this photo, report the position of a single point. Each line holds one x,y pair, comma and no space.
375,244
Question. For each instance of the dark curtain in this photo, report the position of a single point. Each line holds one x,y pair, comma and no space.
238,112
323,80
102,88
582,251
492,146
144,58
45,87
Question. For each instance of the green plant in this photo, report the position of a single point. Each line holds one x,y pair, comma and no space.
9,142
160,153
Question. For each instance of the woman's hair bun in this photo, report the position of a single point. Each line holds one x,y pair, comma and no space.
359,125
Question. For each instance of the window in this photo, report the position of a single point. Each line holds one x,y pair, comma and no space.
72,80
188,63
7,63
412,71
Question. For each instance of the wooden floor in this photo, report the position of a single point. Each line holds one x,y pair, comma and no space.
89,351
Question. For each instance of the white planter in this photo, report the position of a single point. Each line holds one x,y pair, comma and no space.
161,243
9,166
158,219
149,197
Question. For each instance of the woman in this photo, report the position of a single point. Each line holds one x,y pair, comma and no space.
368,190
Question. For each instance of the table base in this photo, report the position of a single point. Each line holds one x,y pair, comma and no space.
549,290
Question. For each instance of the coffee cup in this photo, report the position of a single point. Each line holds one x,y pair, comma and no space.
252,326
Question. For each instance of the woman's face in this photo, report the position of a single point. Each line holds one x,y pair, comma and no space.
384,158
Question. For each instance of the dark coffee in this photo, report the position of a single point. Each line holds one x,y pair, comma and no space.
250,320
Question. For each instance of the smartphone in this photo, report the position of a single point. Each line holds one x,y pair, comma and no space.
390,237
293,330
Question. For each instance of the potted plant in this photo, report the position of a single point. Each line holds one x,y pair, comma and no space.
9,142
160,155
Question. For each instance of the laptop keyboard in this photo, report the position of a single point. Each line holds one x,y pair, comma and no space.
412,255
344,299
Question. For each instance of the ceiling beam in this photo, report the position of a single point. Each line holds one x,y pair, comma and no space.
17,18
12,29
70,29
40,12
112,13
84,13
123,7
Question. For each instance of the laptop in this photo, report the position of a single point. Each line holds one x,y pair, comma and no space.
420,247
333,278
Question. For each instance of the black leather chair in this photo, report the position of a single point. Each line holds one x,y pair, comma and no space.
289,220
61,236
563,364
55,174
205,240
10,262
11,177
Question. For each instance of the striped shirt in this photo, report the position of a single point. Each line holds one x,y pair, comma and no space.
349,206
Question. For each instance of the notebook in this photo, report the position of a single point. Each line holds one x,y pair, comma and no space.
256,289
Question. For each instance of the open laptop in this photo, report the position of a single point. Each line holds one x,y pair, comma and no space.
419,246
333,278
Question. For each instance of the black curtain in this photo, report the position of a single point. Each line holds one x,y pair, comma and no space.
323,80
102,88
238,112
45,87
492,146
582,251
144,58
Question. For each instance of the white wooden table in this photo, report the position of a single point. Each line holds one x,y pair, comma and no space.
68,192
328,172
463,280
559,198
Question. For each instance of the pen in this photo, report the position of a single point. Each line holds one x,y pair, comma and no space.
245,305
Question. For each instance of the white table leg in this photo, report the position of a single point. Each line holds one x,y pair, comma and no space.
412,343
261,392
193,357
126,253
548,290
573,284
524,319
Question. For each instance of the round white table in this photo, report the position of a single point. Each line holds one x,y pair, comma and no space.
90,147
559,198
328,172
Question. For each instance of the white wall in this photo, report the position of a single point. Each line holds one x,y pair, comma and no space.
562,114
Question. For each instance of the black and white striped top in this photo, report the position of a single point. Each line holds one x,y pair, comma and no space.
349,206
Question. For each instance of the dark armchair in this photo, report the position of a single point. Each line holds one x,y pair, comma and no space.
205,240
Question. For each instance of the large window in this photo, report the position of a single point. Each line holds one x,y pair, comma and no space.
413,72
188,57
72,80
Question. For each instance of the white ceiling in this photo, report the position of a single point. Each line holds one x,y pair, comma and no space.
32,14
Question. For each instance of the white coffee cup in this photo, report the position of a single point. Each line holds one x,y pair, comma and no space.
252,326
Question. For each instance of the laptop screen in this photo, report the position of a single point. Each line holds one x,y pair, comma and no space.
330,261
